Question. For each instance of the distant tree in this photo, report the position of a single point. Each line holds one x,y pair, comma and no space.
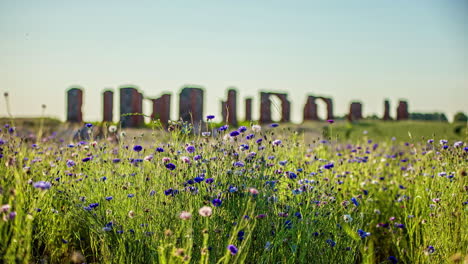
429,116
460,117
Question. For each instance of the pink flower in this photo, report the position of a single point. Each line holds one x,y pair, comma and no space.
184,215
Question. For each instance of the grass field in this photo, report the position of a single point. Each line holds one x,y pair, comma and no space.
246,195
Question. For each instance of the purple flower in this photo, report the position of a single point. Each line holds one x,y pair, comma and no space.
89,125
234,133
242,129
86,159
354,201
109,198
363,234
137,148
159,149
328,166
209,180
190,149
233,249
170,166
331,121
209,117
393,259
43,185
70,163
223,128
216,202
274,125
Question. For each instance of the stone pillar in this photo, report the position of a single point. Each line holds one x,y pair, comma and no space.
74,104
310,109
402,110
223,111
285,108
231,107
248,109
355,111
162,109
387,110
329,103
108,106
191,105
265,108
131,102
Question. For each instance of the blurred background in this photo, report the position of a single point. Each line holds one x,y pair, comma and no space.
347,50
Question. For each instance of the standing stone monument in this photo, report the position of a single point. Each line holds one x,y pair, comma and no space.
355,111
74,104
248,109
229,108
108,106
131,102
387,110
191,105
265,107
310,109
162,109
402,110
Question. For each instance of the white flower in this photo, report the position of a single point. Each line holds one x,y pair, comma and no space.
256,128
184,215
112,129
205,211
347,218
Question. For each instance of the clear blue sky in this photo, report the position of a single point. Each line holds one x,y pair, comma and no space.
367,50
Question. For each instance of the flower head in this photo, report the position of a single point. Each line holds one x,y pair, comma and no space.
205,211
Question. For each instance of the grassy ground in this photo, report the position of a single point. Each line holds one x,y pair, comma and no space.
291,198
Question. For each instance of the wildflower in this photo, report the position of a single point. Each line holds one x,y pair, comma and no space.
216,202
261,216
205,211
429,250
131,214
210,117
86,159
137,148
331,121
347,218
233,249
190,149
206,134
253,191
209,180
331,242
12,215
277,142
109,198
223,128
5,208
184,215
354,201
185,159
89,125
242,129
458,144
393,259
363,234
131,195
149,157
43,185
234,133
256,128
112,129
274,125
328,166
70,163
170,166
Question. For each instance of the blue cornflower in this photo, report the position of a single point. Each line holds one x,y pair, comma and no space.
209,117
190,149
328,166
250,136
274,125
223,128
234,133
242,129
363,234
354,201
292,175
393,259
209,180
240,235
198,179
93,205
43,185
89,125
137,148
159,149
168,191
216,202
109,198
86,159
115,160
170,166
131,195
258,141
331,242
233,249
70,163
